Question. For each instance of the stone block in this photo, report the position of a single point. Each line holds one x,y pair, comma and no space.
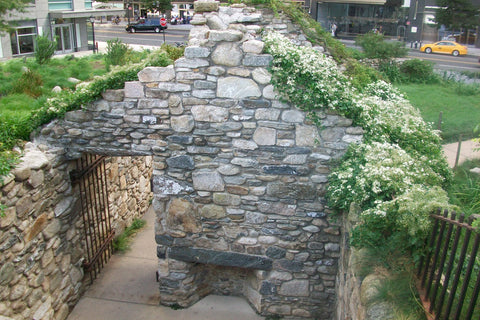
295,288
113,95
306,136
212,211
253,46
220,258
257,60
205,6
237,88
261,75
181,216
265,136
226,199
157,74
196,52
227,54
184,123
208,181
181,162
134,89
210,113
225,35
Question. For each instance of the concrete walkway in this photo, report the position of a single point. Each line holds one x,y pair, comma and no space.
126,289
467,152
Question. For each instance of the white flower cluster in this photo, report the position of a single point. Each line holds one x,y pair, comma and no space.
408,210
378,172
398,169
309,79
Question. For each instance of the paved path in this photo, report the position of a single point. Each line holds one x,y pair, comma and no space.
467,152
126,289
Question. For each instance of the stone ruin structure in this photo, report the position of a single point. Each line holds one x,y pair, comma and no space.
239,177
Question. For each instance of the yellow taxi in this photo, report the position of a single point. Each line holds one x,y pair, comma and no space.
448,47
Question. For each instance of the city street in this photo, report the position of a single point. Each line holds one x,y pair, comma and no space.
179,34
174,34
448,62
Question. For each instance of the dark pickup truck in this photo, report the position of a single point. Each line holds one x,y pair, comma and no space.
145,25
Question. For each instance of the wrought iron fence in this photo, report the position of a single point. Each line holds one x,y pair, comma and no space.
449,274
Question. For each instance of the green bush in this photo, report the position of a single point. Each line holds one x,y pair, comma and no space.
173,52
418,71
122,242
463,89
375,47
30,83
117,53
390,70
360,74
45,49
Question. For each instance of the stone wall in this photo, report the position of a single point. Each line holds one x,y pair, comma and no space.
239,176
357,290
41,232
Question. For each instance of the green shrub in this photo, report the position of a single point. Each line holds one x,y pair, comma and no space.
463,89
173,52
8,160
122,242
375,47
418,71
117,53
360,74
390,70
68,100
30,83
45,49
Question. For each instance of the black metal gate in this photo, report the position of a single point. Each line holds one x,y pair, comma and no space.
91,177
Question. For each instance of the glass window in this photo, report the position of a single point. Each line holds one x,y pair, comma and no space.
59,4
22,40
88,4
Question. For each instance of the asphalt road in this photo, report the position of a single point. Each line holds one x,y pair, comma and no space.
441,61
179,34
448,62
171,35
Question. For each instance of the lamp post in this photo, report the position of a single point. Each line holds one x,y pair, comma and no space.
92,21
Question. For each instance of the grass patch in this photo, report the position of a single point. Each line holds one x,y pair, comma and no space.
122,242
397,285
465,190
461,112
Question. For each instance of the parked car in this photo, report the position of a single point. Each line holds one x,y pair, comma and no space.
449,47
145,25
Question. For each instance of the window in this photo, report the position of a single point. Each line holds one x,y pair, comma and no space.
23,40
60,4
88,4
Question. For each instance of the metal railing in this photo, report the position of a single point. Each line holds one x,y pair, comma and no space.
449,274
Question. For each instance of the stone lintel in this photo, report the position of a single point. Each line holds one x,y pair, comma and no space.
220,258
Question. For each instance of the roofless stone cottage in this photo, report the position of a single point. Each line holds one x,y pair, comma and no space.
238,176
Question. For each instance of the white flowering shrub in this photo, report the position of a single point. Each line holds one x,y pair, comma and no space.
401,220
397,173
307,78
377,172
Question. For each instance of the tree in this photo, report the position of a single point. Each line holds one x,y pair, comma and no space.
7,7
45,49
457,14
158,5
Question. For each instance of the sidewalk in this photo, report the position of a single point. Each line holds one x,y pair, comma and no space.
126,289
466,152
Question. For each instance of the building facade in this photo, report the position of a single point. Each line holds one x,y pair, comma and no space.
66,21
407,20
353,17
